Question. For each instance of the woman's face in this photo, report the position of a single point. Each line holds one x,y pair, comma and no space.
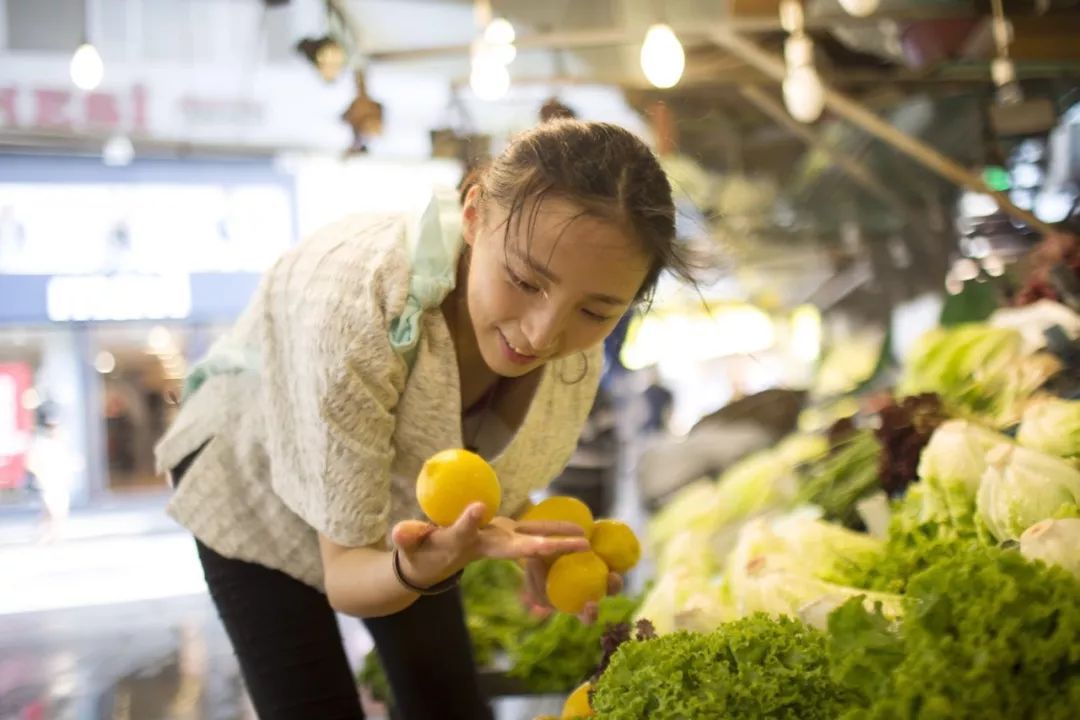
560,291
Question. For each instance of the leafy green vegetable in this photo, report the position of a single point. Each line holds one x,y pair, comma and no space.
756,483
1052,426
494,612
977,370
563,651
986,634
1055,542
906,428
785,564
1022,487
928,523
756,667
956,455
835,483
864,649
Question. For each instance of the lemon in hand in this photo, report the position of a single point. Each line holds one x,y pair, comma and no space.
616,544
562,508
576,579
577,704
452,480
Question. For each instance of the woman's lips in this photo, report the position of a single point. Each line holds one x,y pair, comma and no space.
513,355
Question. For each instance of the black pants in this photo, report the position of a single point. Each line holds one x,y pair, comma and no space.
293,661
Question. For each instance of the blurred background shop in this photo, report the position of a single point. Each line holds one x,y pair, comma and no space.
854,173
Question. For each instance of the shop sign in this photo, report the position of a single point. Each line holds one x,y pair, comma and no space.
80,298
15,423
58,108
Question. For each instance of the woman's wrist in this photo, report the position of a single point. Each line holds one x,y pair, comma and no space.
409,579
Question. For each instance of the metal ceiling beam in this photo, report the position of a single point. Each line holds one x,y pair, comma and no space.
854,169
855,113
691,34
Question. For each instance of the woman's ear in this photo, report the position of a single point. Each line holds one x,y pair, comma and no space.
470,215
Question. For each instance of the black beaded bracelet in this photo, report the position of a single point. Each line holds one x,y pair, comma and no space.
437,589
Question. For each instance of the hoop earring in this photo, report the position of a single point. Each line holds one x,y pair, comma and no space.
584,371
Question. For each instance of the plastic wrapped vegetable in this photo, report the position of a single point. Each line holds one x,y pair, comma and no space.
1052,425
1055,542
1023,486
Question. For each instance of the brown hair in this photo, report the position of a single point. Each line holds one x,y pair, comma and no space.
602,168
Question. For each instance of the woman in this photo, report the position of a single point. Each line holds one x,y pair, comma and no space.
368,348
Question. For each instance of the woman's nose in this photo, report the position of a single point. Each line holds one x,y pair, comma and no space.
542,327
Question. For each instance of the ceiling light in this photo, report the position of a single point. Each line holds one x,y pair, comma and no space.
662,56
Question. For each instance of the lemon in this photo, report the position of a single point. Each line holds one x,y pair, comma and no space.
564,508
577,704
616,544
452,480
575,579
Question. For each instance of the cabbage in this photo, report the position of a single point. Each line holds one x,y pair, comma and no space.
978,370
756,483
1023,486
685,601
956,455
947,359
1052,425
1055,542
783,565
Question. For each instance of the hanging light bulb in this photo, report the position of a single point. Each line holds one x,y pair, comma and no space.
860,8
489,78
662,56
499,32
791,16
798,50
498,40
804,93
87,68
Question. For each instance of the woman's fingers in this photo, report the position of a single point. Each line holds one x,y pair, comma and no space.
538,547
464,530
536,580
549,527
589,613
500,544
409,534
614,583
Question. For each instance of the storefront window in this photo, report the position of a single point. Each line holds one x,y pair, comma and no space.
141,369
41,429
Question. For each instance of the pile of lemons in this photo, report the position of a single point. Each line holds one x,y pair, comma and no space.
452,480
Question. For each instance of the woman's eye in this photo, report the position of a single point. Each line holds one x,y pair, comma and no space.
514,278
596,317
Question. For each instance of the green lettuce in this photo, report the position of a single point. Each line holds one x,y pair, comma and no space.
1052,425
801,566
1022,486
562,652
759,482
757,667
978,370
985,635
1054,542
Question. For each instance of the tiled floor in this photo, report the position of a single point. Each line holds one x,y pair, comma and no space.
164,658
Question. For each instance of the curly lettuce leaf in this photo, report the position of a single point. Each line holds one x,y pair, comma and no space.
756,667
986,634
563,651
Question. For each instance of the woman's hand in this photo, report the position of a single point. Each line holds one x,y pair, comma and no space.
430,554
536,571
